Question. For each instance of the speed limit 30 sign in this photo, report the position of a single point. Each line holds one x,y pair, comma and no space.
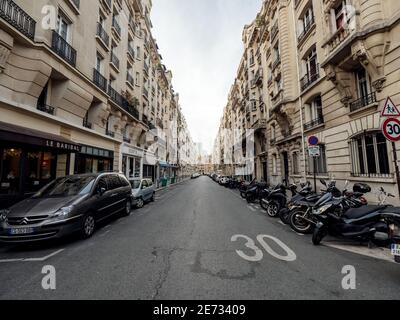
391,129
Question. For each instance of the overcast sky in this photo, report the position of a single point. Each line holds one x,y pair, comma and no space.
201,42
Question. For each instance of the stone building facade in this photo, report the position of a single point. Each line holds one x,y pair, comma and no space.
82,89
328,67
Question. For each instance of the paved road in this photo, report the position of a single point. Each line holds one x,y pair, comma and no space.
181,247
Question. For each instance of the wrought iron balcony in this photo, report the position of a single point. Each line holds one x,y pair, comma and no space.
276,62
129,79
146,67
76,3
116,26
102,34
18,18
127,140
114,60
309,79
274,31
131,52
145,92
61,47
363,102
110,133
87,124
99,80
313,123
46,108
307,27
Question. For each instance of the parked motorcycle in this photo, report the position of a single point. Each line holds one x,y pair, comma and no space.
257,191
244,186
303,220
277,199
305,194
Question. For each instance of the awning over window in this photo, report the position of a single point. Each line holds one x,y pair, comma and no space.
13,133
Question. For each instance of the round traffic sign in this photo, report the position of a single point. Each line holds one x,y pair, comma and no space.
313,141
391,129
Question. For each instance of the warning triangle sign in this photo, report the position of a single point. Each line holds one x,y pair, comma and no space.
390,109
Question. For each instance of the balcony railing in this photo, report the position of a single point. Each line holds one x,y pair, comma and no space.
102,34
313,123
307,27
87,124
99,80
114,60
146,67
276,62
363,102
145,92
129,78
309,79
119,100
116,26
18,18
61,47
131,51
110,133
274,31
46,108
77,3
108,3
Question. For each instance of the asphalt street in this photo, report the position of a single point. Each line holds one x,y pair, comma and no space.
191,244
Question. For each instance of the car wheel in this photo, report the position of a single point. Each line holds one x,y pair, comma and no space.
128,208
88,226
140,203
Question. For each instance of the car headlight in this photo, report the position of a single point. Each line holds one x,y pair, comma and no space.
322,209
65,211
3,215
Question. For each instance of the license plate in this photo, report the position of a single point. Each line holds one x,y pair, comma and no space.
396,249
18,231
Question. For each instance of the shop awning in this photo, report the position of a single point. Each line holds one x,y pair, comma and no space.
13,133
164,164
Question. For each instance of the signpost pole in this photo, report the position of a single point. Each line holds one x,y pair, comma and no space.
315,173
396,165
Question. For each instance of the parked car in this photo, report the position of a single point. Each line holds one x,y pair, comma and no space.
67,205
195,175
142,191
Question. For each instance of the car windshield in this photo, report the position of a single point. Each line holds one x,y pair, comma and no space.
66,187
135,184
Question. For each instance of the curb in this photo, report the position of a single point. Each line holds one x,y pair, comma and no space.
171,185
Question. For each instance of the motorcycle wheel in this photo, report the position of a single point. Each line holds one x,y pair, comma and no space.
298,224
243,194
284,215
273,209
318,234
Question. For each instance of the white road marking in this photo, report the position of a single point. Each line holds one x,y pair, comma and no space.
279,221
251,208
33,259
263,211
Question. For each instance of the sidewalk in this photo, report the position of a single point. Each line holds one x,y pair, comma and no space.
171,185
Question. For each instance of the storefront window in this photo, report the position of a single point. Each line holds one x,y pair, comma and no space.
10,171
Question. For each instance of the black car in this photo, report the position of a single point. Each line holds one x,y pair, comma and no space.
72,204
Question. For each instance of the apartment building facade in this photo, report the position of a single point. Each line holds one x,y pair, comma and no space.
328,68
82,89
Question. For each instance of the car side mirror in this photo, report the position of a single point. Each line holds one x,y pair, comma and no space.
101,191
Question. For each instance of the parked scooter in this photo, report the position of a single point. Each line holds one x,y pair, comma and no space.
379,224
305,194
257,192
302,220
277,199
244,186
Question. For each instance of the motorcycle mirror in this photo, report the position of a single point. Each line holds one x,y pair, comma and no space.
323,182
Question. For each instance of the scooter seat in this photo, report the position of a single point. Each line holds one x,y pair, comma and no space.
356,213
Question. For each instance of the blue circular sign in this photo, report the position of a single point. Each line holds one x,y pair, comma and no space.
313,141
